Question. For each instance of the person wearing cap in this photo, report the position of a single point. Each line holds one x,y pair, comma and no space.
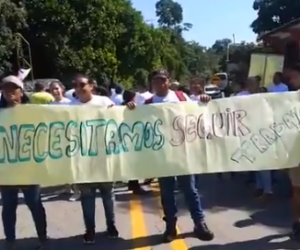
174,85
160,82
12,96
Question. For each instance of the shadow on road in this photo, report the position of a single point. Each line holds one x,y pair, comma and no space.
258,244
102,242
74,243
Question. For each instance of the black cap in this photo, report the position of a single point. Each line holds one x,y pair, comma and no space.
160,73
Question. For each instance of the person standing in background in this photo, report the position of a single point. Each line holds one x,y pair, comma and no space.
278,85
118,97
197,88
248,87
143,93
174,85
57,89
41,96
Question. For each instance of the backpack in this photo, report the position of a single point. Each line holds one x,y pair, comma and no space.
179,94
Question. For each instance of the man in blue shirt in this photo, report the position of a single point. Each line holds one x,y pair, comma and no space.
278,85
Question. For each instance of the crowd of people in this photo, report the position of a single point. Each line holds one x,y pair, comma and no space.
160,90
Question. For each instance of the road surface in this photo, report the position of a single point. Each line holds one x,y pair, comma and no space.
238,221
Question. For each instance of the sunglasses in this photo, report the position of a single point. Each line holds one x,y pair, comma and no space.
80,85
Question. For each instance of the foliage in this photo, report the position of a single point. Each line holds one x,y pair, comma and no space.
12,19
274,13
108,40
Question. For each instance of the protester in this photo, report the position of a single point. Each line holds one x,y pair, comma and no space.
160,81
263,90
100,90
57,91
278,85
12,96
118,97
143,93
84,89
248,87
197,88
294,173
174,85
133,185
184,89
41,96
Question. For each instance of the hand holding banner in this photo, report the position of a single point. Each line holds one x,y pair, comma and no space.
69,144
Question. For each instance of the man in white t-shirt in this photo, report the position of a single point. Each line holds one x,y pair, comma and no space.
117,98
84,91
143,93
160,81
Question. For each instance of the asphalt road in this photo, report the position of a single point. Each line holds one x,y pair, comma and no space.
238,220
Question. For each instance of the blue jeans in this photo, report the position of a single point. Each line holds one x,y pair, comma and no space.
188,186
88,203
32,198
263,181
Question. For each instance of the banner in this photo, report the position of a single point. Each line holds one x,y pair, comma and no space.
52,145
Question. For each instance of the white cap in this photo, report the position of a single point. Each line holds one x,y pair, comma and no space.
13,80
175,83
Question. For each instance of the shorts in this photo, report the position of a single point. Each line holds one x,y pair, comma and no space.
294,174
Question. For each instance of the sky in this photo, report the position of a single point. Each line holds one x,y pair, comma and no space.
211,19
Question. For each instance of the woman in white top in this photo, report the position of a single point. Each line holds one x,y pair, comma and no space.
57,91
197,88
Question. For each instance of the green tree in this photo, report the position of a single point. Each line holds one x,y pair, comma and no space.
12,20
274,13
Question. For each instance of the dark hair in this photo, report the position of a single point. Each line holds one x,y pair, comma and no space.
128,96
38,86
118,89
279,75
58,82
258,78
99,90
263,90
142,85
295,67
4,104
184,89
92,81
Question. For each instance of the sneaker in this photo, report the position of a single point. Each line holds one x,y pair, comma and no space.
266,197
75,197
43,244
295,234
112,232
170,233
89,237
202,232
258,193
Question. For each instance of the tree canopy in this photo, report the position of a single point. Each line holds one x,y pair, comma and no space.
274,13
107,40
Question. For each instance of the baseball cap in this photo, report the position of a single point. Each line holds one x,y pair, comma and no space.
175,83
160,73
13,80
